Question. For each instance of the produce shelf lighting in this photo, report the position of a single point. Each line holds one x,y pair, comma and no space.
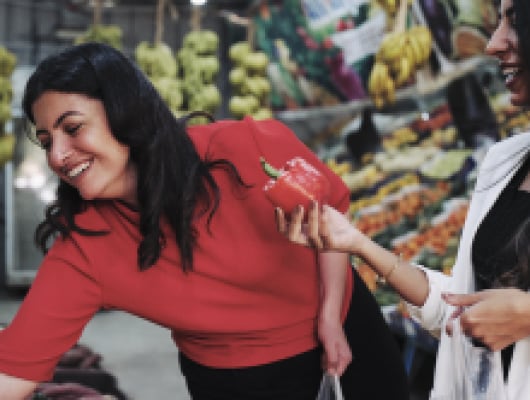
198,2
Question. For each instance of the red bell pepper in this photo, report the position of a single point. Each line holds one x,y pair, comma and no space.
297,183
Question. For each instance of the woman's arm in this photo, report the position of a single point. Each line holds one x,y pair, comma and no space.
12,388
333,275
329,230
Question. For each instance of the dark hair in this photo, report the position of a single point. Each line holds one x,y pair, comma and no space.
172,180
520,275
522,28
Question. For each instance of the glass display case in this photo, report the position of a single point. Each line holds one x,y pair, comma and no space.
28,185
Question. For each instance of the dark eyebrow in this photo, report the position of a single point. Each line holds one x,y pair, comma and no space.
59,120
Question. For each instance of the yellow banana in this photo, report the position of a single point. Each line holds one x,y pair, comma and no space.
377,76
380,84
379,101
424,37
408,52
390,90
405,71
416,49
391,46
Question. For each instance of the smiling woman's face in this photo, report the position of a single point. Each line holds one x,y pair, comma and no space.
80,148
504,45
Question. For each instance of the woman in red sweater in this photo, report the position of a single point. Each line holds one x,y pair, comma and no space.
171,224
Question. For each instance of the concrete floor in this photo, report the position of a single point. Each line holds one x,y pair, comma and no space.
141,355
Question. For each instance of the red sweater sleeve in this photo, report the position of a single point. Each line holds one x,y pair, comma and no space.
62,299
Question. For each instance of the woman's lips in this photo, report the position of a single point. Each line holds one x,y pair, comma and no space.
77,170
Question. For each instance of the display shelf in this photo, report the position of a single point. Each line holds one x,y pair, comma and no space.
310,124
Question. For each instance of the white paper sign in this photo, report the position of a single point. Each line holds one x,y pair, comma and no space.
362,41
322,12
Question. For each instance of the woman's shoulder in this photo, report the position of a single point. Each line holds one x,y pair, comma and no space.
104,223
237,130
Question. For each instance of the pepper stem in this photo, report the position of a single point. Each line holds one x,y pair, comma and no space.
269,169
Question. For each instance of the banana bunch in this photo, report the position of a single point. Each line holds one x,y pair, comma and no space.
402,53
381,85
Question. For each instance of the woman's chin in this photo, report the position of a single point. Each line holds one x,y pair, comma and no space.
520,99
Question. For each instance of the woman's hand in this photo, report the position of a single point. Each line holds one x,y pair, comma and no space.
337,353
495,317
325,229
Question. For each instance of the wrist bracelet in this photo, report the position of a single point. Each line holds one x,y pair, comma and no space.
393,268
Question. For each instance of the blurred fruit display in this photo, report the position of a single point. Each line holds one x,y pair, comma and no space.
158,62
411,195
306,66
250,86
186,79
402,51
107,34
8,61
199,67
460,27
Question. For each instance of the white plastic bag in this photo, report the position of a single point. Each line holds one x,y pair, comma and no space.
477,372
330,388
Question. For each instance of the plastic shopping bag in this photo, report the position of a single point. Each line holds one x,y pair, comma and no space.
330,388
477,372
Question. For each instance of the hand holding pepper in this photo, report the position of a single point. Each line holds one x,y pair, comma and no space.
297,183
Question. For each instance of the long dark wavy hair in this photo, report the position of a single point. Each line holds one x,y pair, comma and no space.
519,276
172,180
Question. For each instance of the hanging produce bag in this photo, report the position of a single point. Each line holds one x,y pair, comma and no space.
477,371
330,388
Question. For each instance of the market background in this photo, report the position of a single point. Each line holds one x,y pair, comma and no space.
395,96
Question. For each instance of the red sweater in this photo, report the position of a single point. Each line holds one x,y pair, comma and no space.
251,298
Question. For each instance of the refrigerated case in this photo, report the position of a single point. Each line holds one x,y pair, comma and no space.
28,185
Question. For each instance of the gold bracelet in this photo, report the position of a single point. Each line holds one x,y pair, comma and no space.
393,268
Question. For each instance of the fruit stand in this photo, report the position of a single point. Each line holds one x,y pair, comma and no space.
396,122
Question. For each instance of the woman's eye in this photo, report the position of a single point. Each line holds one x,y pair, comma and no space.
44,141
72,129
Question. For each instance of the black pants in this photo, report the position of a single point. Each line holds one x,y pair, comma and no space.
376,372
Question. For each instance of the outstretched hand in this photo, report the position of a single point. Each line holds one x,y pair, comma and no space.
325,229
495,317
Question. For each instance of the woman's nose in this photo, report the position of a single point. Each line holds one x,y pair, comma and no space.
60,152
498,43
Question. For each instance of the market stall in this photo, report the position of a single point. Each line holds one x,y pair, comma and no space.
395,96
